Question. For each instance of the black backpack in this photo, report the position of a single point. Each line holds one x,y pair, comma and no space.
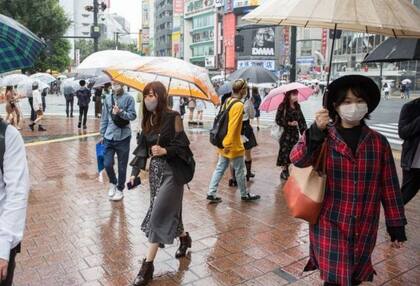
118,121
220,125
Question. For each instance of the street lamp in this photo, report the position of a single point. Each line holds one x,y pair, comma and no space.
95,31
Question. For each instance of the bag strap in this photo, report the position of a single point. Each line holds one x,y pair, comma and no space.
321,162
3,127
231,104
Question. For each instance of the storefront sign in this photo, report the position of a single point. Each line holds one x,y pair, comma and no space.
269,65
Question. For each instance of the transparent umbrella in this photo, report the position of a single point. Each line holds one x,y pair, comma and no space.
43,77
13,79
24,88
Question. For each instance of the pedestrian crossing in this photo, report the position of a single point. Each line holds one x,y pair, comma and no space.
390,131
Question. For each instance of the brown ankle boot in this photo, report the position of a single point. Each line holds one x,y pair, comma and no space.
185,244
145,274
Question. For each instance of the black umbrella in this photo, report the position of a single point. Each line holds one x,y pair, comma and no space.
395,50
254,74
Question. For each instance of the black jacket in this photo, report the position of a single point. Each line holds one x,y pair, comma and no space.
179,155
409,131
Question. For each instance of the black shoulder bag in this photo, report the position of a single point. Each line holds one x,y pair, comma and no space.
118,120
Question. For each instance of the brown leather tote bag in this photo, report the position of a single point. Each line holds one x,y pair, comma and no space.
304,190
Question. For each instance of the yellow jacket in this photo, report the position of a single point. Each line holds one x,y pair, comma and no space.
233,146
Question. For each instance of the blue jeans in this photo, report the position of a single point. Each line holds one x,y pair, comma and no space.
238,165
122,148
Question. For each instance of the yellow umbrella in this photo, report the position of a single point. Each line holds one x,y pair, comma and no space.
181,78
396,18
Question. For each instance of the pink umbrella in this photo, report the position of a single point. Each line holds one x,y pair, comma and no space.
276,96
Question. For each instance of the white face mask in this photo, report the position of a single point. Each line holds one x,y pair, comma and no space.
354,112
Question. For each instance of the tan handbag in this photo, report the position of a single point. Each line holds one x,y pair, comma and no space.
304,190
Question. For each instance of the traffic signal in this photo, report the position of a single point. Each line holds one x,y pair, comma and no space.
239,43
103,6
89,8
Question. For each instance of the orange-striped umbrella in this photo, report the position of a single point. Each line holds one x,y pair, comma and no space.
180,77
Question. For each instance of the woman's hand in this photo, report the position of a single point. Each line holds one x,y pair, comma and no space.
158,151
322,119
131,180
397,244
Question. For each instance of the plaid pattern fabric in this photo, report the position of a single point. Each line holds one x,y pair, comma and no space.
342,242
19,47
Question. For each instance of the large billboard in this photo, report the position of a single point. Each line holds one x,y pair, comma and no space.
263,42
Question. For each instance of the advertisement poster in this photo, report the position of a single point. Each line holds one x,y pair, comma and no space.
263,42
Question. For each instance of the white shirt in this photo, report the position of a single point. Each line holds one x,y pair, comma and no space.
14,190
37,99
249,110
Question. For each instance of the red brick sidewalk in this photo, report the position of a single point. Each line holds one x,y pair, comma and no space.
75,236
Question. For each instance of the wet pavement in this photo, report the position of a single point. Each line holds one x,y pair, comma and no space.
75,236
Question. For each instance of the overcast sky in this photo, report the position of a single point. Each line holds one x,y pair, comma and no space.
129,9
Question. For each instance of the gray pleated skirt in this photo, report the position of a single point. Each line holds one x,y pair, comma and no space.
163,221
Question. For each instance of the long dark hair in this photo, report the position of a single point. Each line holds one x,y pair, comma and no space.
151,122
286,101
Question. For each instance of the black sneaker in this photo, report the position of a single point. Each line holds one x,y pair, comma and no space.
251,197
85,127
79,125
214,200
32,126
40,128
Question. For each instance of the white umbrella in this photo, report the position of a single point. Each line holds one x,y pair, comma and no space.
94,64
406,81
396,18
43,77
13,79
101,81
24,88
69,85
62,77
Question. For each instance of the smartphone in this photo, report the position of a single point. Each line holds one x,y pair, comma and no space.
137,182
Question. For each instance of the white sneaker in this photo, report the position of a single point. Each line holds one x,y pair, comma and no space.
118,196
112,190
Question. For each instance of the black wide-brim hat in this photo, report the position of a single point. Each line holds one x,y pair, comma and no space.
347,82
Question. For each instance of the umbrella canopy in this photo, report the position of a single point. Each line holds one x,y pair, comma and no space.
406,81
43,77
396,18
19,47
24,88
180,77
276,96
101,81
94,64
69,85
224,89
254,74
395,50
13,79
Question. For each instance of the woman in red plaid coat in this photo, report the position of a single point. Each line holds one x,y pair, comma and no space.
361,175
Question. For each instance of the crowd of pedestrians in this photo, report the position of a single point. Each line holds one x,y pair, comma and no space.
343,239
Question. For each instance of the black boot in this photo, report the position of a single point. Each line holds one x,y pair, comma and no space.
232,181
249,174
32,126
41,128
145,274
185,244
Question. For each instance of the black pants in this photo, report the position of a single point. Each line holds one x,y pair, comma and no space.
11,267
69,105
44,104
411,184
83,111
31,103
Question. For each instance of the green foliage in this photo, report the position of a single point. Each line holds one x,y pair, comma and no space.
46,19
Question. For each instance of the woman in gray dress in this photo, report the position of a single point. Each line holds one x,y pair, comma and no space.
164,140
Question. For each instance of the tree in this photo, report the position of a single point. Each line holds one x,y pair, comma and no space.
46,19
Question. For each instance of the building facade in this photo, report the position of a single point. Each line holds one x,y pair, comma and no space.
163,27
201,30
147,29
